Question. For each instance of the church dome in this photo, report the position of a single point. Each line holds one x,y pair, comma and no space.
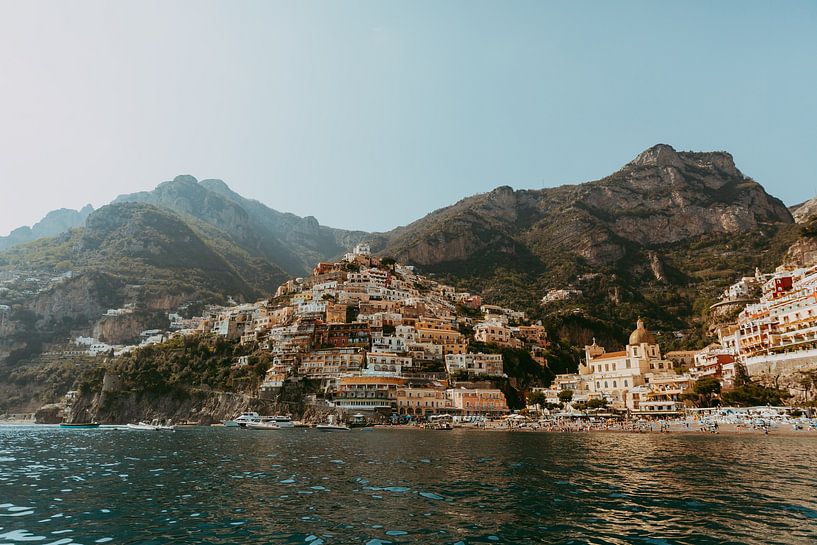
641,335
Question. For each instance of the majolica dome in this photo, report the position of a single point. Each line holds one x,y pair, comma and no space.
641,335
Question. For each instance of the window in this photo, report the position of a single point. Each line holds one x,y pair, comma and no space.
605,384
625,383
614,384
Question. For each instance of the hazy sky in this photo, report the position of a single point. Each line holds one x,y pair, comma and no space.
370,114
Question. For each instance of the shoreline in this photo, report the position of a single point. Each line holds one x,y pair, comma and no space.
723,429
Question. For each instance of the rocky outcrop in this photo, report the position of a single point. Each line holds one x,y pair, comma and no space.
802,253
80,299
126,328
117,406
804,211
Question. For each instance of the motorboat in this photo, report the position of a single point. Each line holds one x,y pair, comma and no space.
332,425
278,420
153,426
242,420
263,425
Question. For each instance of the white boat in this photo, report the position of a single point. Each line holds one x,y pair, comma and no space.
331,425
242,420
280,421
153,426
268,425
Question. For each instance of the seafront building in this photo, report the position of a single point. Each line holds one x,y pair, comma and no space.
777,334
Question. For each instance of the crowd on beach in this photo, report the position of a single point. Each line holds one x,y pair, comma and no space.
681,424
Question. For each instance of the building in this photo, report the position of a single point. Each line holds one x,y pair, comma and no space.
368,393
475,364
492,333
477,401
423,401
356,334
331,363
615,374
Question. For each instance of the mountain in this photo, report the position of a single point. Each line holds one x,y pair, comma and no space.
644,240
660,238
54,223
291,242
130,253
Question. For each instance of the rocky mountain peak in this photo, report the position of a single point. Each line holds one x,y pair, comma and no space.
185,179
659,155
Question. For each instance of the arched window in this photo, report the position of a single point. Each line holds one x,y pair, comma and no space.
605,384
614,384
625,383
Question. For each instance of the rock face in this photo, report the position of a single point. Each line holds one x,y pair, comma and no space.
127,327
78,300
804,211
54,223
661,197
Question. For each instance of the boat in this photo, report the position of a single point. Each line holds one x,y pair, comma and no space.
80,425
332,425
278,420
263,425
242,420
153,426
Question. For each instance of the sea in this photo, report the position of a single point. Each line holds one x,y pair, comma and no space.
384,486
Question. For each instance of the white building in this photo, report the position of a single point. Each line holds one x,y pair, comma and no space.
476,364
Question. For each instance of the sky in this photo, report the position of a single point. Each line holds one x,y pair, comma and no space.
370,114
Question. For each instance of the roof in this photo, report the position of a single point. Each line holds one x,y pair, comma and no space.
611,355
641,335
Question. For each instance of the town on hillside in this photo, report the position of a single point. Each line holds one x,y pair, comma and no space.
371,336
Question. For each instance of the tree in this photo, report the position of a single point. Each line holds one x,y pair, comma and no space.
753,395
537,398
705,389
597,403
566,396
388,262
741,375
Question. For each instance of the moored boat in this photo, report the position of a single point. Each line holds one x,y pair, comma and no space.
242,420
153,426
79,425
332,425
268,425
279,420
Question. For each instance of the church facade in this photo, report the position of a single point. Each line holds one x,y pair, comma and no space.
624,378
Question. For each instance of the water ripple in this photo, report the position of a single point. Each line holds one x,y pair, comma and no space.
225,486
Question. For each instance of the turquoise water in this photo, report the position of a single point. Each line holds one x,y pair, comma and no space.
61,487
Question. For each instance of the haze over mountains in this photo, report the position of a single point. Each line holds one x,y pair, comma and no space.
660,238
